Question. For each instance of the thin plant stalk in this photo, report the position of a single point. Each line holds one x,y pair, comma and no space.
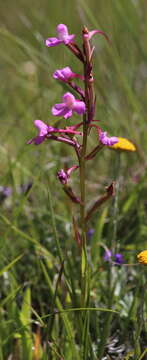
87,117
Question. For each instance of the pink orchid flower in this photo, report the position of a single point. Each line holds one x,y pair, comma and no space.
62,37
65,74
107,140
68,106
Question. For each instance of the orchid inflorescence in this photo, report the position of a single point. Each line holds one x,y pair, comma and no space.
69,103
84,105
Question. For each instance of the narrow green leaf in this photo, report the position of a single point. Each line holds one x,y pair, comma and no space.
25,318
7,267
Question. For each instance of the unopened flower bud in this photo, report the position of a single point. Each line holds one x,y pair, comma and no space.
62,176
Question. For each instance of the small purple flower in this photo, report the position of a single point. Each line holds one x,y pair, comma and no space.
118,258
65,74
90,233
107,255
62,37
5,191
106,140
68,105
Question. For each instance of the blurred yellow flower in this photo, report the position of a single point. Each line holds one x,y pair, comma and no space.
142,257
123,145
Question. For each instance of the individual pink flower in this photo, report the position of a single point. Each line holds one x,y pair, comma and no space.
42,133
106,140
68,105
65,74
62,37
45,131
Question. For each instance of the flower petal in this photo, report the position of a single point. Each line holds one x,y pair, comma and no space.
42,127
124,144
68,39
63,34
61,110
64,74
118,258
142,257
69,105
106,140
69,100
39,139
53,42
107,255
62,31
68,114
79,107
36,140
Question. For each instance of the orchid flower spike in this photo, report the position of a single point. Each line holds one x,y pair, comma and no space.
68,105
107,140
65,74
62,37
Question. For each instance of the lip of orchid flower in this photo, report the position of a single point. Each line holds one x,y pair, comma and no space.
107,140
62,37
66,74
68,106
45,131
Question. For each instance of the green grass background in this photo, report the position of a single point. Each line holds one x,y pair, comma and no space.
30,223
